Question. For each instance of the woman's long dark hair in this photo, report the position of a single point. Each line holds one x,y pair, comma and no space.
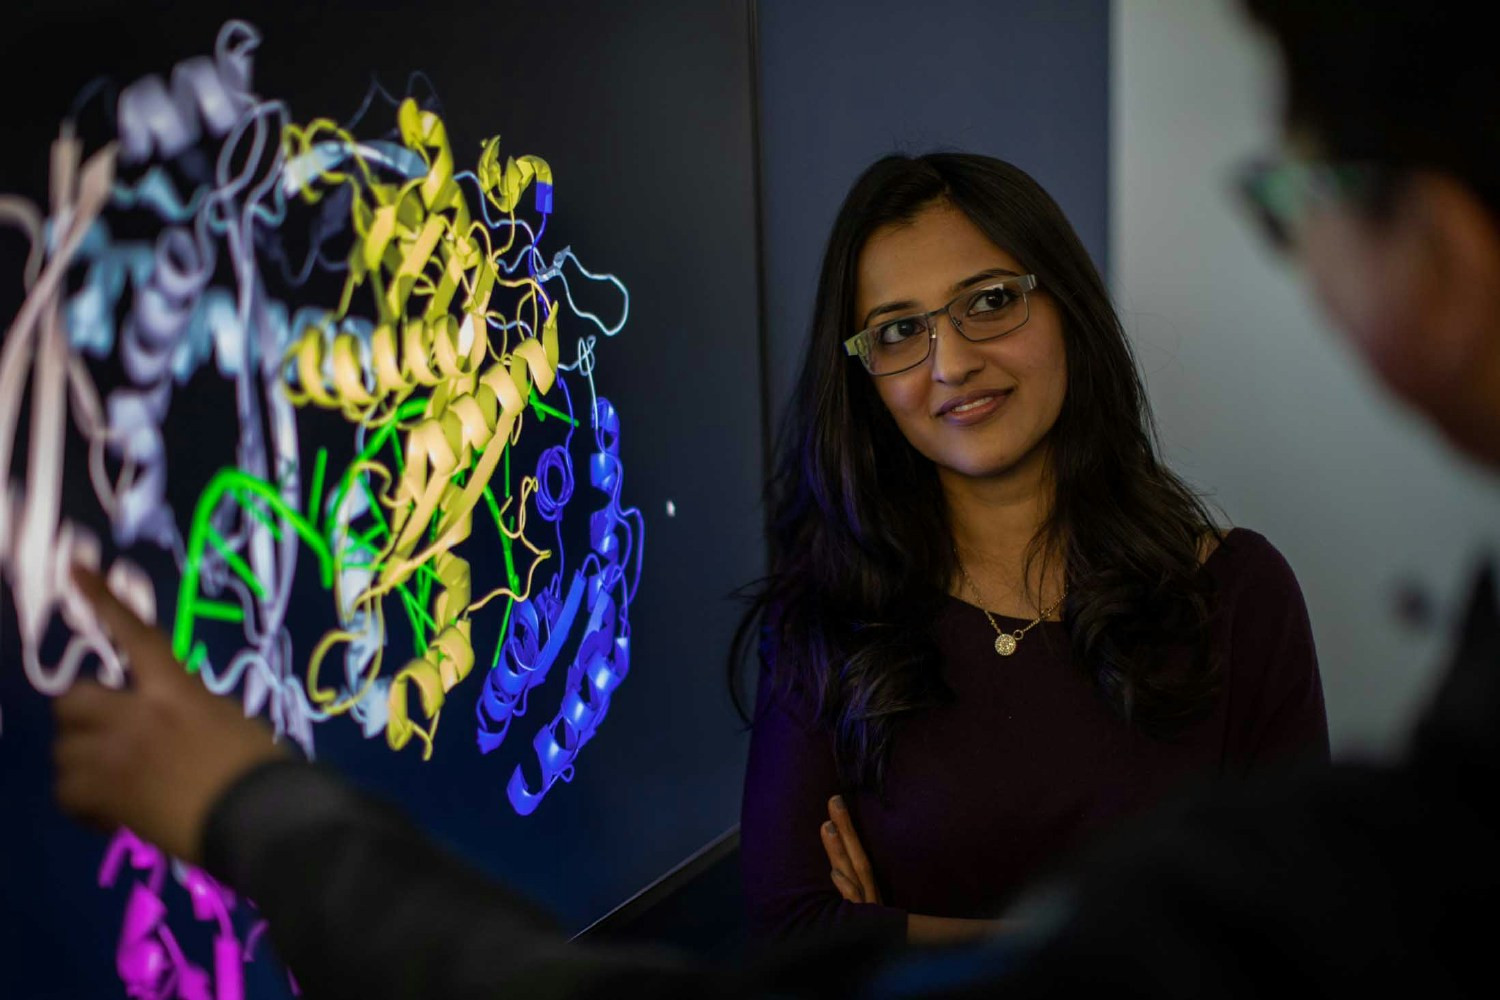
861,556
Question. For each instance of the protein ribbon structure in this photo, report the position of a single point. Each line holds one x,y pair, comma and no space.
334,273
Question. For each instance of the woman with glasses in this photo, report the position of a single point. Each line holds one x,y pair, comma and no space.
995,623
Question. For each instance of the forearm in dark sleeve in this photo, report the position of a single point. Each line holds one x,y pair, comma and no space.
788,779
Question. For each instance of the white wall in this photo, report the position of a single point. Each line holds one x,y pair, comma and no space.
1257,400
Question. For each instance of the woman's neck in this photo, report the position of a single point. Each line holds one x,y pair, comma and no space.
994,520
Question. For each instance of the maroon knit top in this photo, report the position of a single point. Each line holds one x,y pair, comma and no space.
1026,764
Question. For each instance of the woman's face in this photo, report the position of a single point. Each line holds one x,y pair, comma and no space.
977,410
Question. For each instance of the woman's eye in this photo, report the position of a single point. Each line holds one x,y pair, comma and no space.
990,300
897,331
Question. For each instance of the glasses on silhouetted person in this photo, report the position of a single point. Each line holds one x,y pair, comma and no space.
1282,194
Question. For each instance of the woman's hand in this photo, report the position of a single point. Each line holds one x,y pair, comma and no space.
156,756
855,881
851,874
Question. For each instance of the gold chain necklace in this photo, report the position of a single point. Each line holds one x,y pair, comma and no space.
1005,642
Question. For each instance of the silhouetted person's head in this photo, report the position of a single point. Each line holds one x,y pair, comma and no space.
1390,193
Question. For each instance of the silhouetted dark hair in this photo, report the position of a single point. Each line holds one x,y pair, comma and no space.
861,550
1406,85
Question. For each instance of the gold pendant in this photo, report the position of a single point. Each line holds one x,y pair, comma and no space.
1005,644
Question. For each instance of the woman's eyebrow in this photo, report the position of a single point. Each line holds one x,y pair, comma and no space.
994,272
888,307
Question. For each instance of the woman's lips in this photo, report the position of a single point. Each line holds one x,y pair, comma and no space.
974,408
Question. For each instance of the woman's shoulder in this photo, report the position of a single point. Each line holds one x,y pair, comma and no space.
1244,564
1275,693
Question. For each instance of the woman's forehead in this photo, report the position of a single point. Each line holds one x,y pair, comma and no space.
923,260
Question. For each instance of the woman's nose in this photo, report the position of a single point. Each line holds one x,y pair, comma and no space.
954,358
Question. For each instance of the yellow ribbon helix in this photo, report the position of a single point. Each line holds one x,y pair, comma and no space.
418,249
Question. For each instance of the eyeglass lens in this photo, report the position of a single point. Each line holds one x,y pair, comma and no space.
981,315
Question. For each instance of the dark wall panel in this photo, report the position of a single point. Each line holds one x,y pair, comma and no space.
843,84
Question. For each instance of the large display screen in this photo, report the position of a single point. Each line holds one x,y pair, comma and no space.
403,367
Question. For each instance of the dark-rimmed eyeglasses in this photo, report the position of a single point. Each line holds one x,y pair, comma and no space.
992,310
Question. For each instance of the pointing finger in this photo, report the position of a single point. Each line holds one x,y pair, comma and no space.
147,650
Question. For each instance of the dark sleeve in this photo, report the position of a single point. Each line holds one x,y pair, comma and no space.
1344,880
361,905
788,782
1459,731
1276,711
